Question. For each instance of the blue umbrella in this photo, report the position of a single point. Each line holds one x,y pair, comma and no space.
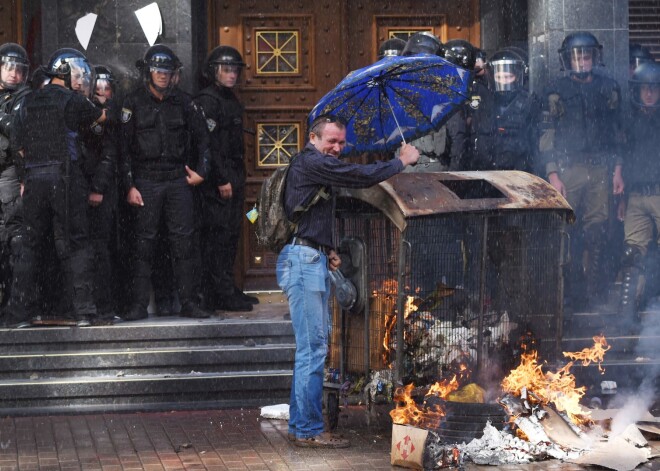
395,99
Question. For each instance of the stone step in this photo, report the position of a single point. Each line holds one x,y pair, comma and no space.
144,392
149,333
153,364
62,364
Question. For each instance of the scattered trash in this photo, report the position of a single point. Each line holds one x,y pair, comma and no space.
278,411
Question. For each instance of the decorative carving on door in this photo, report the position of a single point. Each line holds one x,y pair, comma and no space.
277,52
277,143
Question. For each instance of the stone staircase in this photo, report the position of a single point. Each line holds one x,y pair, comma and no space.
154,364
634,357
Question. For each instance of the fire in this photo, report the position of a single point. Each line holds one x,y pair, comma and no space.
594,354
429,415
389,290
557,387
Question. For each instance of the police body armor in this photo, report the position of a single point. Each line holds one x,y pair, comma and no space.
588,112
44,110
161,132
501,132
98,155
9,103
225,123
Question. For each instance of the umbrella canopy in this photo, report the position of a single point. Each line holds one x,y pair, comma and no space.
395,99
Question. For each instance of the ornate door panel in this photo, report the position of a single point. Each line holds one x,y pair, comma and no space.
295,52
372,22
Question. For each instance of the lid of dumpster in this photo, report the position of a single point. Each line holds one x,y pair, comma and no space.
409,195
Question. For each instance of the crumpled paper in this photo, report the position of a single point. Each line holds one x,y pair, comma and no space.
278,411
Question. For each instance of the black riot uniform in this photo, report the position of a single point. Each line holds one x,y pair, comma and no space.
48,127
503,119
641,171
154,154
14,61
100,151
222,217
578,147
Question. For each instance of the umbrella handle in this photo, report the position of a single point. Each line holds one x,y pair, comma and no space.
395,120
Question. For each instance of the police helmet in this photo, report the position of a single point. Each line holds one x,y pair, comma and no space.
461,53
159,58
104,79
639,54
71,66
480,59
222,55
577,45
423,42
14,65
645,85
508,70
392,47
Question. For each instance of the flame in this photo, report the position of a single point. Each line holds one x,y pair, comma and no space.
594,354
443,389
557,387
389,289
429,415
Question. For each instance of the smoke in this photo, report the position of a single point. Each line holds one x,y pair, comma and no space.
636,405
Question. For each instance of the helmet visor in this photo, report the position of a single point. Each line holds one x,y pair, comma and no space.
12,73
103,87
645,95
507,75
228,75
637,61
582,59
82,77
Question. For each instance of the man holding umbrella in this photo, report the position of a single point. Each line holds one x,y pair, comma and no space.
303,265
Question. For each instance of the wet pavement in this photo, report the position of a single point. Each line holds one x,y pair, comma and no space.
211,440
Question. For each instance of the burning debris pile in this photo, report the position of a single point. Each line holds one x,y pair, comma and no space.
541,417
439,329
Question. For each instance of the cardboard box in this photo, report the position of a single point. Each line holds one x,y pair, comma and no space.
408,444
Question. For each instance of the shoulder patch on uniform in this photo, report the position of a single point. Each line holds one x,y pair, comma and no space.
475,101
97,129
126,115
210,124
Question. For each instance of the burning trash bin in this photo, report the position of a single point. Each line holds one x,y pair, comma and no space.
451,270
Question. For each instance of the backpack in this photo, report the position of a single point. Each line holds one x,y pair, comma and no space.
274,229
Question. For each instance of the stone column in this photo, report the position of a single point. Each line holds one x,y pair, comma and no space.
503,23
549,21
118,40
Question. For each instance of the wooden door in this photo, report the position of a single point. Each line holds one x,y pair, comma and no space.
295,52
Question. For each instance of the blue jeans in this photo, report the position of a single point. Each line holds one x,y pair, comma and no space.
302,274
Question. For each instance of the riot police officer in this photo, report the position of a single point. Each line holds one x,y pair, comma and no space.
480,69
578,147
641,170
157,120
637,55
503,122
100,151
441,148
423,42
391,48
224,191
14,67
47,133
